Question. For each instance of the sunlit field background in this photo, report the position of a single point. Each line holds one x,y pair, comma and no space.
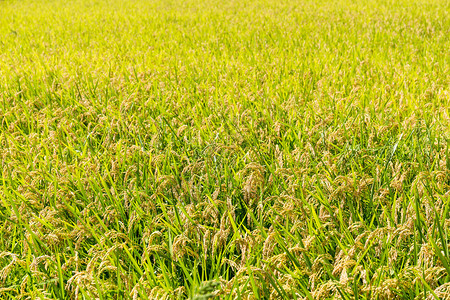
260,149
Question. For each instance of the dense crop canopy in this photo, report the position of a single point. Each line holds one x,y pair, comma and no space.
291,149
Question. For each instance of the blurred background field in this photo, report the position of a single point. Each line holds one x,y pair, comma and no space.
234,149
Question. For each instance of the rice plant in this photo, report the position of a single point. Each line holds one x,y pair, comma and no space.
260,149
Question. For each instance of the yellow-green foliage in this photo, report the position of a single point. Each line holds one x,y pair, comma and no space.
238,149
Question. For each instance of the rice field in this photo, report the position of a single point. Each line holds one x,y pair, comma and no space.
258,149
